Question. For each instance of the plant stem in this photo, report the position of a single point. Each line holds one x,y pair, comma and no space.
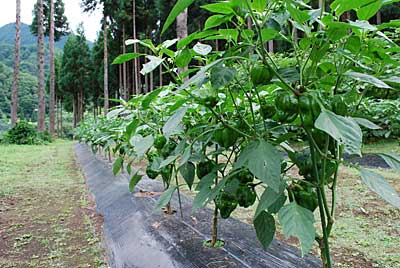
214,236
324,245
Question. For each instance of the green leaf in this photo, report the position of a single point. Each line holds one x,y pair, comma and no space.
268,34
298,222
343,129
379,185
179,7
366,123
222,8
298,15
264,161
368,11
173,122
165,198
202,49
194,36
184,58
117,165
268,198
168,160
341,6
134,181
265,228
206,193
199,76
220,76
392,160
126,57
229,34
187,171
215,21
367,79
151,65
259,5
150,98
143,145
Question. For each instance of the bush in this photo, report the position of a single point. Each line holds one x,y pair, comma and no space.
384,113
22,133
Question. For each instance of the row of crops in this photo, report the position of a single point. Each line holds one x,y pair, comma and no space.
226,124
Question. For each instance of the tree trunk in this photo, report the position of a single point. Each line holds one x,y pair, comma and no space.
14,96
106,96
378,18
136,75
182,29
124,92
81,110
52,115
61,118
74,110
41,93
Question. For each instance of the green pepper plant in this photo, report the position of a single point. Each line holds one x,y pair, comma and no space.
234,113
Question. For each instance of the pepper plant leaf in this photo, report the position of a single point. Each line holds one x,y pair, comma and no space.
179,7
173,122
165,198
344,130
379,185
117,165
134,181
264,161
392,160
298,222
264,224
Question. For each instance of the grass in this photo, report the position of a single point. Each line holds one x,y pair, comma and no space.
45,217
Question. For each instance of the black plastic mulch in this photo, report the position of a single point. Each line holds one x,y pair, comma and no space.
138,236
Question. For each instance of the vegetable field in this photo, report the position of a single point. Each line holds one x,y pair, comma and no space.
227,120
281,113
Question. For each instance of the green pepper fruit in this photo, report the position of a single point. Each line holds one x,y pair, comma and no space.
160,141
166,173
168,149
226,204
151,173
267,111
286,102
204,168
210,101
151,156
261,75
225,137
339,106
309,109
245,196
245,177
307,198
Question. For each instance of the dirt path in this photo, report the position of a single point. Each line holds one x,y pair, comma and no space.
46,219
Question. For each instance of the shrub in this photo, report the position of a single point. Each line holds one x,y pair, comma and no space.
384,113
22,133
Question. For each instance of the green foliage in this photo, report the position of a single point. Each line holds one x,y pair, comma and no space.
22,133
384,113
229,120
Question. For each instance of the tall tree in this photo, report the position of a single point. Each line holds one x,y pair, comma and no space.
52,114
75,72
41,93
55,26
14,96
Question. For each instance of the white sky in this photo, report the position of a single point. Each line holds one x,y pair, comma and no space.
91,21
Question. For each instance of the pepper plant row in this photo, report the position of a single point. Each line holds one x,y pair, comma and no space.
227,121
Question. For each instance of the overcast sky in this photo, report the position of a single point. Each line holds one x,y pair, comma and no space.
91,21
